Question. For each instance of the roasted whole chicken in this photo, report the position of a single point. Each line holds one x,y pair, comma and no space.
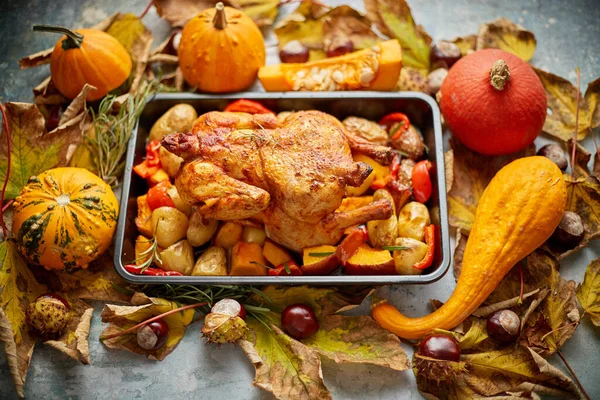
288,173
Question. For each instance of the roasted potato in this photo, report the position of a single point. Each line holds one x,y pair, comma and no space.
412,221
405,259
251,234
275,254
385,231
143,221
247,260
368,130
180,203
200,230
370,261
411,143
169,161
213,262
169,225
228,234
178,257
178,118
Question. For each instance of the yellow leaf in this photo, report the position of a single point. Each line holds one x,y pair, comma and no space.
505,35
588,292
466,44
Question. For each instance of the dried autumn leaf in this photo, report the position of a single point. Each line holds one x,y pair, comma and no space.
562,104
344,23
33,150
262,12
74,339
582,158
121,318
358,340
588,292
394,19
466,44
284,367
412,79
472,172
505,35
18,287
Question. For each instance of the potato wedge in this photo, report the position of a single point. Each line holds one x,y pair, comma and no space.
405,259
178,118
246,260
213,262
143,221
169,161
178,257
274,254
354,203
180,203
412,221
251,234
142,244
319,260
201,230
383,232
228,234
370,261
169,224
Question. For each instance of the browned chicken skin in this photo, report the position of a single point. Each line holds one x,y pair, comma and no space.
290,174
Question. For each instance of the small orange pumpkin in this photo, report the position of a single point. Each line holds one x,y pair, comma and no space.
87,56
221,50
65,218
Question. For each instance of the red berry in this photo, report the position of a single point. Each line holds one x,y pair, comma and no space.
229,307
440,347
153,335
299,321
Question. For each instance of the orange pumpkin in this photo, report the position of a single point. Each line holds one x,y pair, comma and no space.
221,50
493,102
65,218
87,56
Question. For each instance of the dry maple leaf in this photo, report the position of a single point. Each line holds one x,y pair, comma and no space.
588,292
505,35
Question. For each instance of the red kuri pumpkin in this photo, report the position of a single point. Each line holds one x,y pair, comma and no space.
493,102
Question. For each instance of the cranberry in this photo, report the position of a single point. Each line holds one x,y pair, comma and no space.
153,335
444,54
504,326
229,307
440,347
299,321
54,116
294,52
569,232
554,153
339,47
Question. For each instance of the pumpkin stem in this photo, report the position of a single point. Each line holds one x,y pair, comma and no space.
72,41
499,74
220,20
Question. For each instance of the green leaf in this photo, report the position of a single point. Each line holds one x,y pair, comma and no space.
284,366
394,19
505,35
588,292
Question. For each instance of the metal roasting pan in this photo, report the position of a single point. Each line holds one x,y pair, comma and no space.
421,109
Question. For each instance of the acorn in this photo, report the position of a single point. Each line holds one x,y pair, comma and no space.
49,314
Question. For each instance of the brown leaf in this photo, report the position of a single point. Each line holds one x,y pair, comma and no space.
488,310
459,251
449,167
47,94
394,19
588,292
121,318
344,23
11,354
74,339
284,366
472,172
505,35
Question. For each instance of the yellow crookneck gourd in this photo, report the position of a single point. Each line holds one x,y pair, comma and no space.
517,213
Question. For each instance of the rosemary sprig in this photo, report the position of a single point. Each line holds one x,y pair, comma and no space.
321,254
112,132
149,256
395,248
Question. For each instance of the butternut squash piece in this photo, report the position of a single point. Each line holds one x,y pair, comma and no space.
388,56
517,213
319,260
141,245
143,221
228,234
354,203
274,254
370,261
246,260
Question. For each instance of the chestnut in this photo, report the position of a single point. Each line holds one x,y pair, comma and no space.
435,80
54,117
153,335
444,54
299,321
440,347
339,47
504,326
569,232
229,307
294,52
554,153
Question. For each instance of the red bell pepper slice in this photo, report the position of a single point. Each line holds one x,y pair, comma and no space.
151,271
280,270
392,176
158,196
421,181
395,117
430,235
151,164
247,106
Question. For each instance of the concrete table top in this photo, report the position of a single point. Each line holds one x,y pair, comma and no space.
568,35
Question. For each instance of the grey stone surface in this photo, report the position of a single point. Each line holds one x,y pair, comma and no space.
568,34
